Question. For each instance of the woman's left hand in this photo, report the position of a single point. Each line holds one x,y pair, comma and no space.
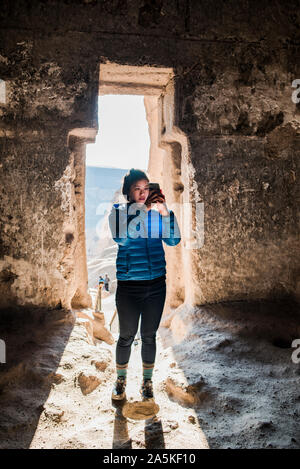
161,205
162,208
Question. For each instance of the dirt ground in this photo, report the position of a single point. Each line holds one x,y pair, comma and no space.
224,378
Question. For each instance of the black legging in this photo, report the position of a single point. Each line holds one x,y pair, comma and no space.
132,299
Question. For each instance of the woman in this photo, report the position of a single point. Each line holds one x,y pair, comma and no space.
141,272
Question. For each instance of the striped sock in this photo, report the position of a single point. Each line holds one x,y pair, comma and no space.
122,370
147,370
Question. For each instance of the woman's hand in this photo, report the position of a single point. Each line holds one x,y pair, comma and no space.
160,200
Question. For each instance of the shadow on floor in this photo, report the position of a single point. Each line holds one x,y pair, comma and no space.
236,358
154,437
26,332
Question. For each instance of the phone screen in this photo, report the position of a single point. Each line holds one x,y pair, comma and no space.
154,186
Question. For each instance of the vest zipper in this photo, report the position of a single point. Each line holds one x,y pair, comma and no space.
127,263
149,263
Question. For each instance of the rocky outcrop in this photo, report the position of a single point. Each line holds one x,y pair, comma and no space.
95,326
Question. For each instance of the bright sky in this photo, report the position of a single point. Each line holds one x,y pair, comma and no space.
123,138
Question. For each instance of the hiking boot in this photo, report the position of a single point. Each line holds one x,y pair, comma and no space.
146,390
118,392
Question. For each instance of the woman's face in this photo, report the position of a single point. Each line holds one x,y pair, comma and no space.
139,191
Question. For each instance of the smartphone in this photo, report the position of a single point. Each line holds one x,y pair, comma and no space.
154,186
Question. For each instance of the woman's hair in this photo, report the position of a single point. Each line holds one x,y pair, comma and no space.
131,177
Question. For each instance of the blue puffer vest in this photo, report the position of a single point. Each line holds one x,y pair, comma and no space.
139,235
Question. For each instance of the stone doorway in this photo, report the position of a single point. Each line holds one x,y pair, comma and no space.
168,165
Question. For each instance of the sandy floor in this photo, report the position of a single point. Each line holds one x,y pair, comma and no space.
219,381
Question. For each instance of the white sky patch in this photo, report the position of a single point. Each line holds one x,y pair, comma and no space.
123,138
